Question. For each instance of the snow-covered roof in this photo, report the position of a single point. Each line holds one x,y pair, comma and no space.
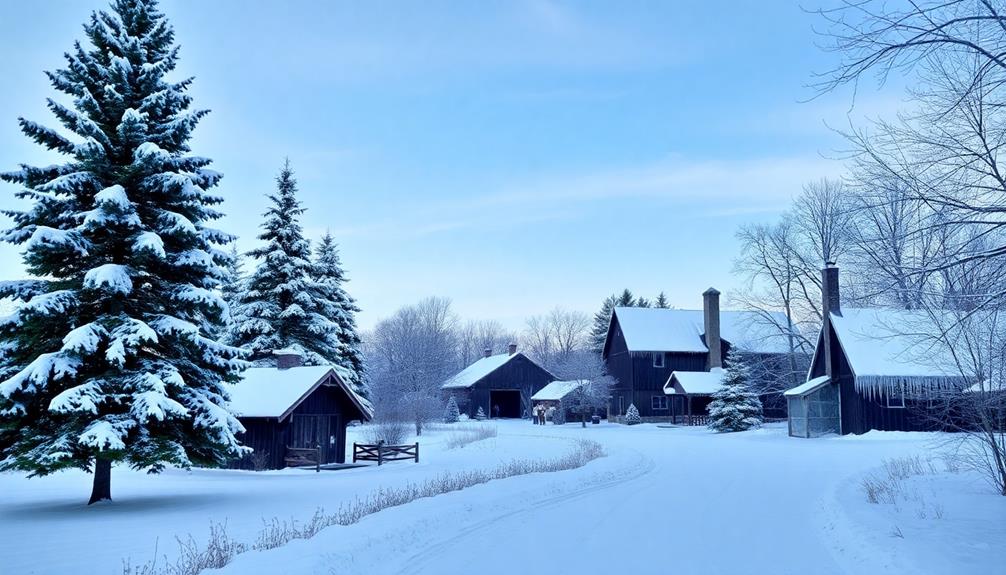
887,347
680,330
805,388
273,392
557,390
476,371
694,382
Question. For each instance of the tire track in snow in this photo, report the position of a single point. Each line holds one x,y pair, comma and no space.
642,466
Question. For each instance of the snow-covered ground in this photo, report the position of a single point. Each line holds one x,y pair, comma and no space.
663,500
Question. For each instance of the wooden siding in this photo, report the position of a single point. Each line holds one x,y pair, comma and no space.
323,415
860,413
520,373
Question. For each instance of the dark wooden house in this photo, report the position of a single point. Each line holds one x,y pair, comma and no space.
869,371
295,407
501,385
644,346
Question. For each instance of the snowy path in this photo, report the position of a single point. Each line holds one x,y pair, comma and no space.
663,500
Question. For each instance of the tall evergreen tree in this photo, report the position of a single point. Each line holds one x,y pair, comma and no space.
231,288
338,306
602,318
734,406
661,301
625,299
106,359
279,309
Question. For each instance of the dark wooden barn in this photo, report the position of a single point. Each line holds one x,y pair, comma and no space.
644,346
502,385
868,372
297,407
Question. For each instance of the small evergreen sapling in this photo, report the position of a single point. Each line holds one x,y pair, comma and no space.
632,415
480,415
452,414
735,407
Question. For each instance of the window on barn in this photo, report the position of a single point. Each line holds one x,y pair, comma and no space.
658,359
658,402
896,398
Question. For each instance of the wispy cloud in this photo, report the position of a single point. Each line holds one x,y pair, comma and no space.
731,187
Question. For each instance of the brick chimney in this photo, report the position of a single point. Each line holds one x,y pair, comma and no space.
711,324
512,348
287,358
487,352
830,304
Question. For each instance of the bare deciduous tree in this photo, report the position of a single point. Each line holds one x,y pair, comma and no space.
552,338
412,353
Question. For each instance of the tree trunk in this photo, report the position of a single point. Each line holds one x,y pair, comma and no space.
583,419
419,428
102,488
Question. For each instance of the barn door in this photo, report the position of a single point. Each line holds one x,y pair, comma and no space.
306,431
332,439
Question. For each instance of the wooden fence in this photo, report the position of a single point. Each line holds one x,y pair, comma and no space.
382,453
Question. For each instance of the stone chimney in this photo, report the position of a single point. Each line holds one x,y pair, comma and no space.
287,358
711,324
487,352
512,348
830,304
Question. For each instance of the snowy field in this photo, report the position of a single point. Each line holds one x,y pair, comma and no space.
662,500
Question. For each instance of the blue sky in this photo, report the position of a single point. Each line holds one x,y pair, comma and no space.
512,156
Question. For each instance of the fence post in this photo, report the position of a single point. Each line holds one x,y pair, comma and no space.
354,452
380,452
417,452
317,459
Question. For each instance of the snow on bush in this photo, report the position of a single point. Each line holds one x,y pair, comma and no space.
452,414
734,406
464,436
632,415
221,549
389,431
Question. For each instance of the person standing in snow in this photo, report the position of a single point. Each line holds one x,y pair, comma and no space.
535,413
550,414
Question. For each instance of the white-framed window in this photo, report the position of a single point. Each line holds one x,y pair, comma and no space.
658,359
896,397
658,402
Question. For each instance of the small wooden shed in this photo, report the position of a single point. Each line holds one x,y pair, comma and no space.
299,407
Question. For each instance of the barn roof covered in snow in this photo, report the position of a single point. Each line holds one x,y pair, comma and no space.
470,375
557,390
694,382
274,392
888,347
681,330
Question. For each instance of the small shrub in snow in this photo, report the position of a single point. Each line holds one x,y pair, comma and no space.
465,436
734,406
452,414
464,417
480,415
222,549
632,415
390,432
259,460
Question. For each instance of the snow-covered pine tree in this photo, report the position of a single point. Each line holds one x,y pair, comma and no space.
231,288
599,331
632,415
735,407
279,308
661,301
452,414
480,415
106,359
338,306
